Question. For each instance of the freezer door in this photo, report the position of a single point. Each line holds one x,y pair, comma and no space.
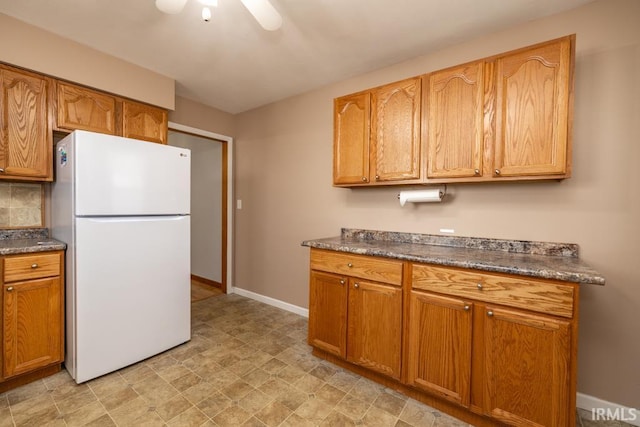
132,292
120,176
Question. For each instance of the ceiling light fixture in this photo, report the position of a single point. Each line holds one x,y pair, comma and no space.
262,10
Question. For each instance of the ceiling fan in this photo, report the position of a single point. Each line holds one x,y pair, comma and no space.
262,10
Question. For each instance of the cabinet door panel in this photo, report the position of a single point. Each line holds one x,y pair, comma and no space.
395,139
32,325
527,361
440,346
328,312
144,122
80,108
375,326
26,141
455,115
533,89
351,139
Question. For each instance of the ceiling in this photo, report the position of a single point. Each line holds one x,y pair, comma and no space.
232,64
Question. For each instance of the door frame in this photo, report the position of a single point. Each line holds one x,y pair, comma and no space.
227,198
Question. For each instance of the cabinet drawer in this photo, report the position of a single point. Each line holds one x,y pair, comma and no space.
364,267
535,295
31,267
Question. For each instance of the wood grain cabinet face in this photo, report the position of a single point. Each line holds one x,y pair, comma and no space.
377,135
475,339
439,346
527,360
26,140
86,109
328,312
395,131
144,122
32,312
374,326
354,317
351,139
454,129
533,111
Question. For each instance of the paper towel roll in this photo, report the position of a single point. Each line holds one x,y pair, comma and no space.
420,196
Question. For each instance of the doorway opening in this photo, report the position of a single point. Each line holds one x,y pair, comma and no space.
211,207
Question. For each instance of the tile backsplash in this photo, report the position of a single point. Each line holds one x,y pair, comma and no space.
20,205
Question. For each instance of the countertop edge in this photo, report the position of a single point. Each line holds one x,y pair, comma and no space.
21,247
565,276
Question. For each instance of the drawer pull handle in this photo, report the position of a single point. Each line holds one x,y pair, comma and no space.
342,281
34,265
490,313
467,308
10,288
349,265
479,285
356,286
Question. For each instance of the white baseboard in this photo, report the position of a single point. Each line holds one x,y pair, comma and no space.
612,410
271,301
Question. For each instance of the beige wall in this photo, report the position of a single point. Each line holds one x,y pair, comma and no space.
35,49
199,116
283,176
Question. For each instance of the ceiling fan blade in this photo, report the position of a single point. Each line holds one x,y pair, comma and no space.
170,6
264,12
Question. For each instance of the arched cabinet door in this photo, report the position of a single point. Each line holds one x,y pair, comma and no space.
26,140
533,111
141,121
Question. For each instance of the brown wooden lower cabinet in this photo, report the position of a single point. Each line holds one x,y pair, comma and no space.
527,362
484,362
374,323
32,317
354,318
439,346
328,313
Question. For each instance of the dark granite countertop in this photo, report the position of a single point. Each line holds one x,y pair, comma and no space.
28,240
546,260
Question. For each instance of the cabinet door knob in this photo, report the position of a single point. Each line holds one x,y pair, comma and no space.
479,285
364,179
34,265
356,285
349,265
1,170
10,288
342,281
477,171
490,313
377,176
467,308
497,171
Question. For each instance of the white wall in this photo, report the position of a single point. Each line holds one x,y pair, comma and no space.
206,203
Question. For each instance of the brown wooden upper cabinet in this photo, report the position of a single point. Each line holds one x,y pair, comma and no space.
454,109
534,91
507,117
141,121
377,136
86,109
25,128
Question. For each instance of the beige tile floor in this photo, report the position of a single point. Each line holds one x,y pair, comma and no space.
247,364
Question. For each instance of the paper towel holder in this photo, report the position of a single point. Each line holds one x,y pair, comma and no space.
443,192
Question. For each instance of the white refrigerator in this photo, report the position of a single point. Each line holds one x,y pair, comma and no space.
122,206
